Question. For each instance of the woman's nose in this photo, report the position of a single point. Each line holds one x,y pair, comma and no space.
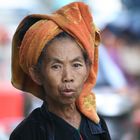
67,75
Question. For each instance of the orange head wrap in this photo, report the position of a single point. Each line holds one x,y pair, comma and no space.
33,34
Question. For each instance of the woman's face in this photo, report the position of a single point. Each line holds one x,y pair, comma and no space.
63,72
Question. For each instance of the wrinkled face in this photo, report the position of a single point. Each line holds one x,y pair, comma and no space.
63,71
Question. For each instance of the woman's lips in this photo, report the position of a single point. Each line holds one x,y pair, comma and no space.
67,92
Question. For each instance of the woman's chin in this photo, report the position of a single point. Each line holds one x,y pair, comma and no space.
68,101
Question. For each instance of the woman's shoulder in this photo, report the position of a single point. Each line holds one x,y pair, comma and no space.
103,122
99,128
29,127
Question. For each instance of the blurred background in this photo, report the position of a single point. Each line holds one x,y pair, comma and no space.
118,83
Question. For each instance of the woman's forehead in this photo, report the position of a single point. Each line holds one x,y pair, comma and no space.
64,48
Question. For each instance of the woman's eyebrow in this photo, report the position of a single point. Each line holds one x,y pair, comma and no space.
79,58
58,60
54,59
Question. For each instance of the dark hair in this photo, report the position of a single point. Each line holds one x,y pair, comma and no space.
58,37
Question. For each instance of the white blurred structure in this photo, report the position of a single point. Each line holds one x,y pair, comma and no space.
104,11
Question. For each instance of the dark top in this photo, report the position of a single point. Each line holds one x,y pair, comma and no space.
43,125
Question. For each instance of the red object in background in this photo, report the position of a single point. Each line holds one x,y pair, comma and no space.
11,107
11,101
136,118
4,37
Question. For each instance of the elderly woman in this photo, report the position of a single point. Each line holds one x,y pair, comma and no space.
55,57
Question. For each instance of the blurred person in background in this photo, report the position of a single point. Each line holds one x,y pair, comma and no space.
55,57
114,87
122,41
122,44
110,76
110,59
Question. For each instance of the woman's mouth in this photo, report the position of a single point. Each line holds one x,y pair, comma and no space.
67,92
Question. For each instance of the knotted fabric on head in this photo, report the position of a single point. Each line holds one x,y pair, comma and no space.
35,31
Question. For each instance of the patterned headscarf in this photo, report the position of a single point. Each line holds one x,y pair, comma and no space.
34,32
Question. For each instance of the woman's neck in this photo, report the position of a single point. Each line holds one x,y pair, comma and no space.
67,112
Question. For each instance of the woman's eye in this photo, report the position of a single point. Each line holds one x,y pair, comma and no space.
77,65
56,67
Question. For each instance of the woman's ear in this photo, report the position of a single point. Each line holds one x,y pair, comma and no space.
35,76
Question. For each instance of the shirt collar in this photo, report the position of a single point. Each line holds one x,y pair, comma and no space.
94,128
45,111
